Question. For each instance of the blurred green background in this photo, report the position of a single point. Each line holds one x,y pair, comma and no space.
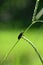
16,16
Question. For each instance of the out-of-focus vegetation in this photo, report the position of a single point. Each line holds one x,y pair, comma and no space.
23,53
16,11
15,15
13,12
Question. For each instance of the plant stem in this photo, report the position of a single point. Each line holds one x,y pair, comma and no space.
34,16
6,56
35,10
40,57
28,27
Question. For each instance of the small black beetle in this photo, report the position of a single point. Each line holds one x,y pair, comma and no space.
20,35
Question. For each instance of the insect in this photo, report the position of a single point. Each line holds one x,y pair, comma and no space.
21,35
